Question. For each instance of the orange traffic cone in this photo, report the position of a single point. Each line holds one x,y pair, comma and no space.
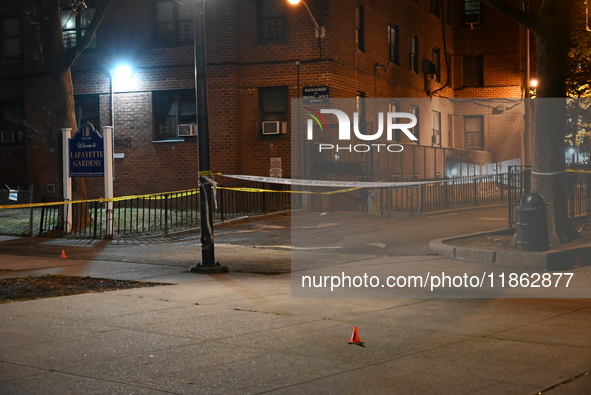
355,337
64,254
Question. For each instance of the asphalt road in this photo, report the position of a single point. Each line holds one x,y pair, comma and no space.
267,244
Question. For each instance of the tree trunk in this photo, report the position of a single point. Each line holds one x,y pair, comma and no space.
552,27
548,176
60,97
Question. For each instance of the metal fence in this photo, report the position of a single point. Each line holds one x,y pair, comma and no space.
164,213
172,212
17,221
443,194
578,191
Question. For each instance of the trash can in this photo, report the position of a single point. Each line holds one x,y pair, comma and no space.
532,224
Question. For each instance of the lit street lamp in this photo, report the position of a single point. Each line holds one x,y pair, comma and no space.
320,32
208,263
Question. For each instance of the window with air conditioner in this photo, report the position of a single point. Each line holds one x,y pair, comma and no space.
171,109
471,13
273,109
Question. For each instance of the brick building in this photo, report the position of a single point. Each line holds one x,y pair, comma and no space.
260,54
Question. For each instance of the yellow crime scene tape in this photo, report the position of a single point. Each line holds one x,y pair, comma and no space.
176,194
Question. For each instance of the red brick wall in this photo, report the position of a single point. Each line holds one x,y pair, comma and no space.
238,64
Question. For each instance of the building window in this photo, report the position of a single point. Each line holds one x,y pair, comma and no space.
415,130
395,107
436,128
271,20
471,13
74,26
450,130
414,54
360,27
11,124
474,132
273,103
10,44
435,8
174,23
87,110
473,71
393,44
436,59
171,109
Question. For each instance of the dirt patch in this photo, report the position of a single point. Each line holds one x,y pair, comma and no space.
28,288
505,240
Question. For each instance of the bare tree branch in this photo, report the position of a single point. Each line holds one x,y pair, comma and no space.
100,12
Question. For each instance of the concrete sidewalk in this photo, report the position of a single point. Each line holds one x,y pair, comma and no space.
245,333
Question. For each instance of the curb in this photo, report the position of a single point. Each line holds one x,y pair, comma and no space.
552,260
462,209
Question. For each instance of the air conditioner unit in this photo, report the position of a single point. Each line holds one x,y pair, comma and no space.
429,67
188,129
436,139
7,137
274,127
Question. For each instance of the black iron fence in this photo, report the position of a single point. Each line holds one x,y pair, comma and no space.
172,212
578,191
163,213
443,194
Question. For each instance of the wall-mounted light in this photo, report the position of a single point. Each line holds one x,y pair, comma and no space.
320,31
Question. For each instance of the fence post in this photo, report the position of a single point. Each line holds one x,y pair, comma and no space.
31,211
166,215
510,196
95,219
420,201
221,200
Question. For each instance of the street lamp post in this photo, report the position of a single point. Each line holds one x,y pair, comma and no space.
208,263
320,31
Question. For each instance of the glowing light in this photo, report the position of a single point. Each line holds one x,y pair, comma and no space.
294,2
122,71
123,78
533,83
453,172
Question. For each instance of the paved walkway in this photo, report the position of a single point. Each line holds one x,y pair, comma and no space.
244,333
